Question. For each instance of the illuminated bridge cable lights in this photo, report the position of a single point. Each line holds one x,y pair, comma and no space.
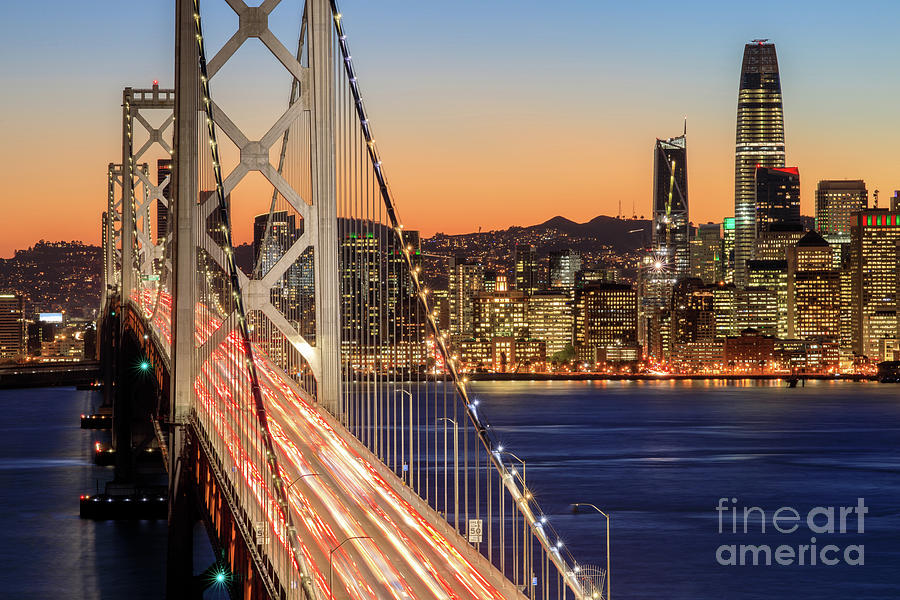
246,344
523,498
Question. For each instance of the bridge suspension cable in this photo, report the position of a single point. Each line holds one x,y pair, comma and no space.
323,353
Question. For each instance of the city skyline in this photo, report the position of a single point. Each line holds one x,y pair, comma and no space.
476,153
343,379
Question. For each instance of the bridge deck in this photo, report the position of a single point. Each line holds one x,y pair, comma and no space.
344,491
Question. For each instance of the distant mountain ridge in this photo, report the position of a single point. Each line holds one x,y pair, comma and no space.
622,234
558,233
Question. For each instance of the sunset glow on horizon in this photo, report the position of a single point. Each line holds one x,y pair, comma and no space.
511,117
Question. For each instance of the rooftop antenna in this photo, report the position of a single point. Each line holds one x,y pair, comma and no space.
875,195
685,126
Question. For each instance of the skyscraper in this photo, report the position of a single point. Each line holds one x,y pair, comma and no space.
526,269
163,170
759,141
706,253
466,279
728,250
671,227
605,318
836,201
550,320
814,290
777,199
771,274
563,266
12,325
874,247
272,236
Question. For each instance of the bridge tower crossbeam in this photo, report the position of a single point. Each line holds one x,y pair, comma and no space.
140,251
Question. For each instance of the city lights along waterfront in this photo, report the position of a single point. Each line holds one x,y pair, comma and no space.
353,406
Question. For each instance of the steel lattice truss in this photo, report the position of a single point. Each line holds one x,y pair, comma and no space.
263,427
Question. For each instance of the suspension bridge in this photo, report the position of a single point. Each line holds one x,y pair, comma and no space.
308,409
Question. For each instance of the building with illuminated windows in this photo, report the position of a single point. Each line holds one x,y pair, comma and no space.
605,316
526,269
550,320
806,356
759,142
836,203
12,326
586,277
495,282
757,309
771,275
848,311
503,355
874,263
563,266
693,316
725,309
466,278
728,228
163,170
706,253
773,245
751,352
500,314
813,291
777,199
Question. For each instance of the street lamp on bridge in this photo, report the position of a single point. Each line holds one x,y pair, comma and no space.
330,564
527,540
588,505
299,477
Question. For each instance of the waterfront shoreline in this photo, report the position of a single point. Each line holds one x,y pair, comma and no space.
650,377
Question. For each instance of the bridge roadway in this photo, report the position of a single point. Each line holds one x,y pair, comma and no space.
412,553
37,374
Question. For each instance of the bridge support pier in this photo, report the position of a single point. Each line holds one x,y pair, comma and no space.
201,496
182,517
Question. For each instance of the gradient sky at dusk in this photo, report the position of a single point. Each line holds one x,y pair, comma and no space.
487,114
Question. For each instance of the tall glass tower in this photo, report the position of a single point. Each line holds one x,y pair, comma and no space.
759,142
671,224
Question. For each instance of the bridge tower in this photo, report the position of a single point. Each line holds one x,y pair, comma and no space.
331,312
204,270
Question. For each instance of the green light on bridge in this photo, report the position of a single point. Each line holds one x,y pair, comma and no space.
144,366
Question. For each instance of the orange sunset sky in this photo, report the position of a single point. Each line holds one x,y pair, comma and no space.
508,119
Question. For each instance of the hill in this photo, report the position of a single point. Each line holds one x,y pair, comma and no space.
602,241
55,277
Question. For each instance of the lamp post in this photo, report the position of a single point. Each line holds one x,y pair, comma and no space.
526,539
575,511
330,563
455,469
